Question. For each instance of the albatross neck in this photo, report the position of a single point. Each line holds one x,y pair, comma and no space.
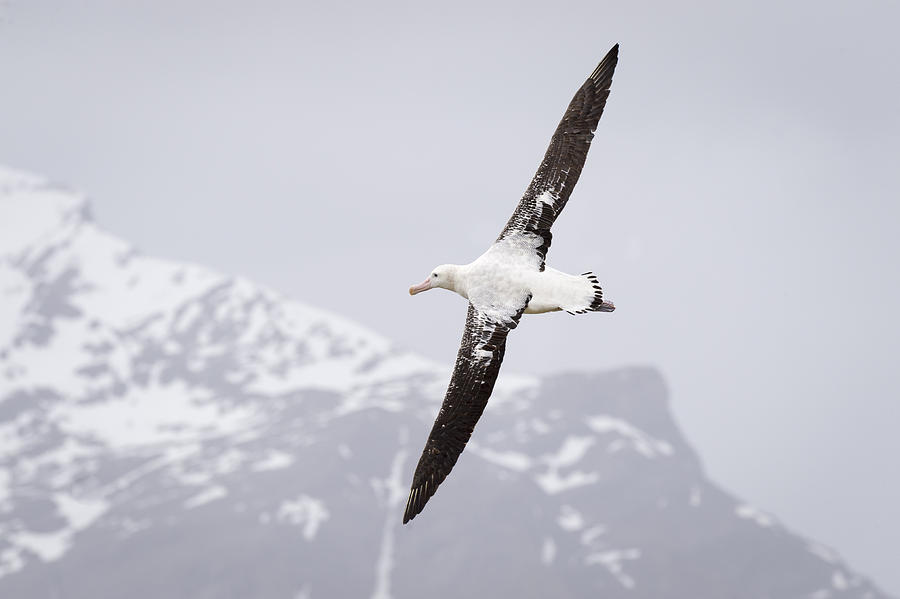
457,279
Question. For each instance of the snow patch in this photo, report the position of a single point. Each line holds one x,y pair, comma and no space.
642,442
539,426
612,561
592,533
570,519
153,415
80,513
822,552
12,179
50,546
229,461
839,581
123,286
206,496
11,561
304,511
572,451
15,293
511,460
548,551
552,482
5,485
696,497
274,460
130,526
514,387
748,512
31,212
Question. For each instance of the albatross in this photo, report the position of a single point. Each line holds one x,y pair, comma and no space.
511,279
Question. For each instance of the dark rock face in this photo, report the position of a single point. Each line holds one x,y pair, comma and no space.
169,432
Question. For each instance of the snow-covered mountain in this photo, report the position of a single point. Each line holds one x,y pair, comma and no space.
167,431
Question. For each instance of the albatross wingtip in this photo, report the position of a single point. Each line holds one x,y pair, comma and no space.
604,71
414,504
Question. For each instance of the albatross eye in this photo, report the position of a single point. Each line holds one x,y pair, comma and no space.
434,274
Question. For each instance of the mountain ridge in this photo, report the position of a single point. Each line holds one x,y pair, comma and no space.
189,433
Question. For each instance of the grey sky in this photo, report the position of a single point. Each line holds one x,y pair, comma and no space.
739,203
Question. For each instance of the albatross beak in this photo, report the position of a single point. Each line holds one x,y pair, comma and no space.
423,286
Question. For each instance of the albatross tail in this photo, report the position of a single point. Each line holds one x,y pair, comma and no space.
591,297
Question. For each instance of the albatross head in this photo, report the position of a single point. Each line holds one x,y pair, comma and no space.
441,276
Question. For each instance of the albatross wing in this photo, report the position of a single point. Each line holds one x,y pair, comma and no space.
477,365
497,291
559,171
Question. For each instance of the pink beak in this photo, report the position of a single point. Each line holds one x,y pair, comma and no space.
423,286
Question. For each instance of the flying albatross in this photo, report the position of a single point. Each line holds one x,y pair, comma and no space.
510,279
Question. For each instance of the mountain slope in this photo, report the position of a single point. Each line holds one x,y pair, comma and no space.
169,431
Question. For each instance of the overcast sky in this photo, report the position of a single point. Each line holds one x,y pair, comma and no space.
739,204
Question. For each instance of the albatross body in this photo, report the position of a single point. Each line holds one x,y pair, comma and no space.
507,272
511,279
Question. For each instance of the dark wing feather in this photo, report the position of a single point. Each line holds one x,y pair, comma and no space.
556,177
477,365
